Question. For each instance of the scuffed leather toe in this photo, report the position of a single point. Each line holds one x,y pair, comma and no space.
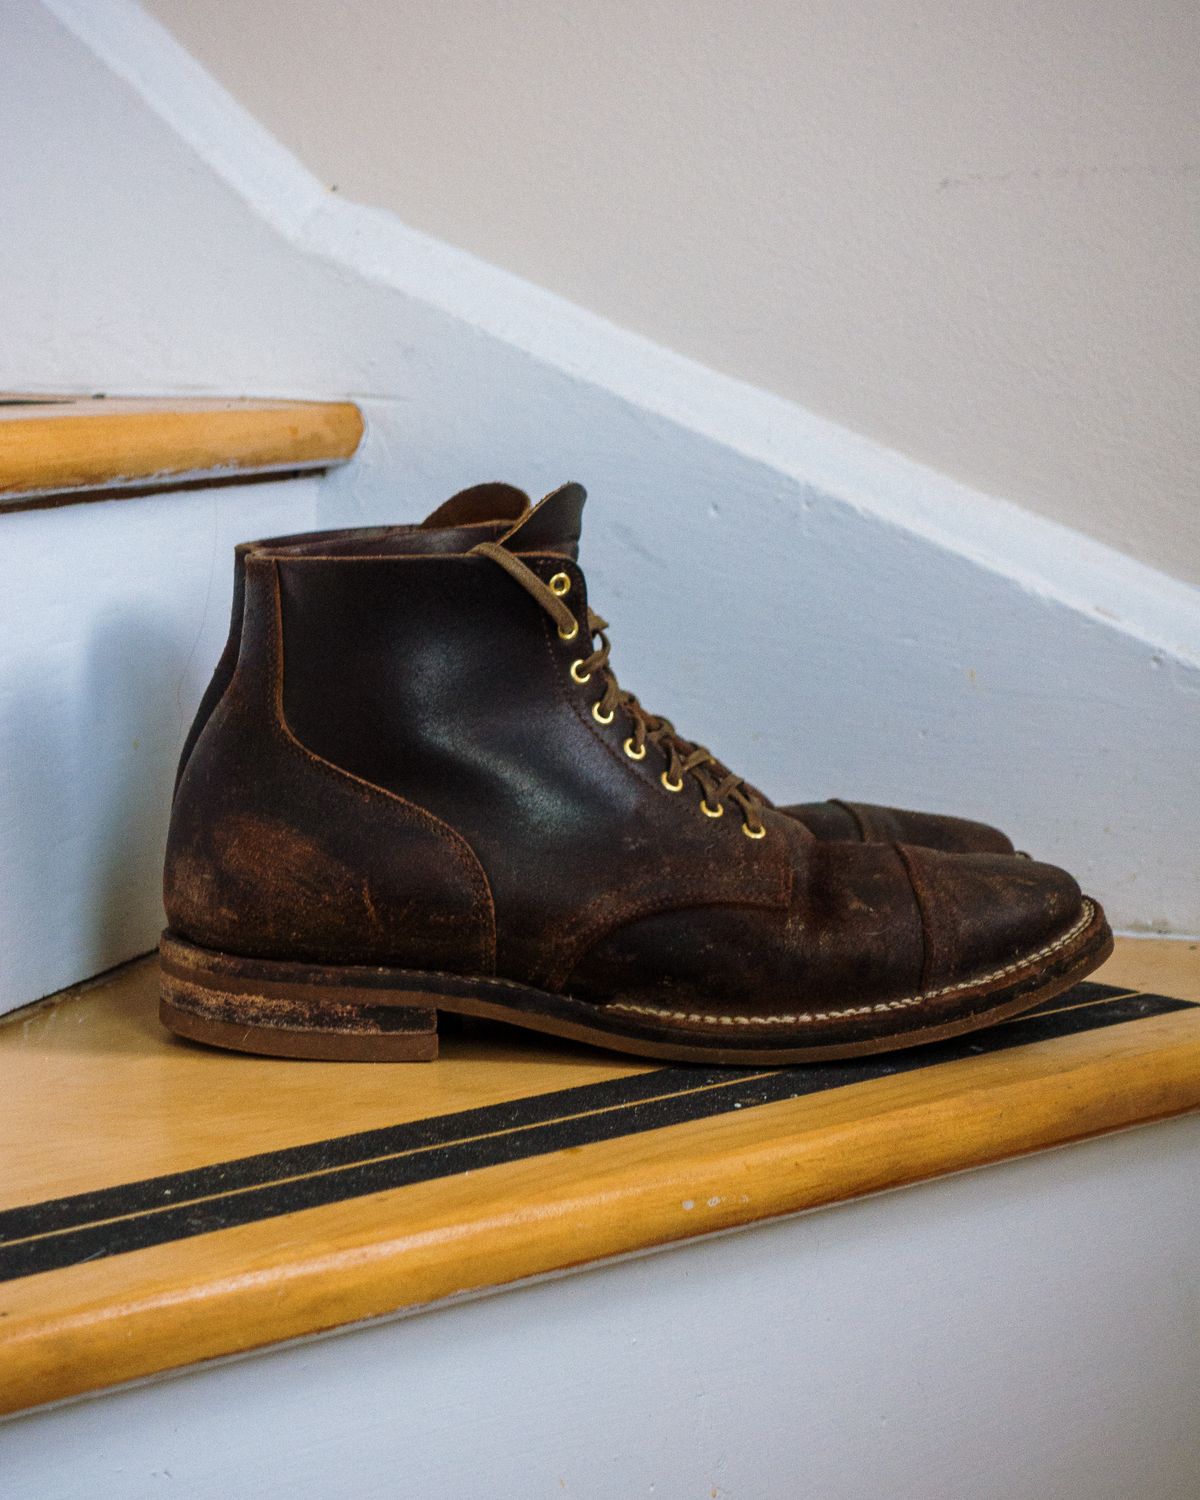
982,913
861,822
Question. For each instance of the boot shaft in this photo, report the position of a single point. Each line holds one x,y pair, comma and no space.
481,512
434,682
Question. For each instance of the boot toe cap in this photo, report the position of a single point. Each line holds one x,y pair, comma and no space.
984,913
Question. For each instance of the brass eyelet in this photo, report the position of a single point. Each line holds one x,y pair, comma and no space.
560,584
602,718
754,833
569,635
632,752
575,675
671,786
712,812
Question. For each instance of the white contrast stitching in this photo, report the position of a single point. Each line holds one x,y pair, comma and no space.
1089,911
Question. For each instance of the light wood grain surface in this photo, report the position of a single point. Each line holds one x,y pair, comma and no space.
75,446
94,1094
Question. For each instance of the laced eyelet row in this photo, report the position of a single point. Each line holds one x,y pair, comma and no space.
560,585
683,758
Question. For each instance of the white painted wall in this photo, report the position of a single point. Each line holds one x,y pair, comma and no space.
113,615
1028,1332
830,617
967,231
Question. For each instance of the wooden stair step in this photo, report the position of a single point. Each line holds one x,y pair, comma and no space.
163,1203
78,448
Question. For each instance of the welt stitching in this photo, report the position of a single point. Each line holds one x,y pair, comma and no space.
1089,912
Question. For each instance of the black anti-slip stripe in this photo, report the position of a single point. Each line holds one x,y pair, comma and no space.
112,1221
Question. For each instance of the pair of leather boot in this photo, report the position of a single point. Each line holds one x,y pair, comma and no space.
414,785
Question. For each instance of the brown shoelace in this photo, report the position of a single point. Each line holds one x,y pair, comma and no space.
717,783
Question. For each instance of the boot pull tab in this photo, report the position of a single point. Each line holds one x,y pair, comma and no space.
553,525
482,502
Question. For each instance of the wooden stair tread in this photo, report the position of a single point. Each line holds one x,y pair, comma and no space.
76,447
163,1203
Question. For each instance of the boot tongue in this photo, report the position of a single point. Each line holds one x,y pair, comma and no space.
553,525
480,503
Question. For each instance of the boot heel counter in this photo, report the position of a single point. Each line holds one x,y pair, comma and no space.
275,853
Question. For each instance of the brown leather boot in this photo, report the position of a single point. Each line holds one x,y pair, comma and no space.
424,790
485,512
